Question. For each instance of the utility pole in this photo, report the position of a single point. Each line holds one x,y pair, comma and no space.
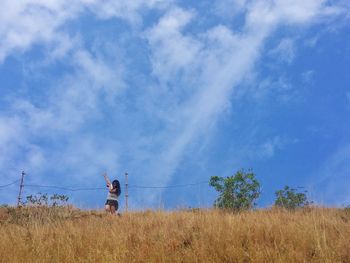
20,190
126,192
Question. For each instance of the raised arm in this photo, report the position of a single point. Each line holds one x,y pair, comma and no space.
107,180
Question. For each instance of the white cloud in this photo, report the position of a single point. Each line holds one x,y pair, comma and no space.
308,76
288,12
85,157
28,22
279,89
256,147
128,10
285,50
175,50
269,148
17,154
230,8
74,99
11,137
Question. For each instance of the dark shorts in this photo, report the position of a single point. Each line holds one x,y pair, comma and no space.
112,203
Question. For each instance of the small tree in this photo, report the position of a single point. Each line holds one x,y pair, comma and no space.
289,198
237,192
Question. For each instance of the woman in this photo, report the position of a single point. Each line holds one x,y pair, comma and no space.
111,204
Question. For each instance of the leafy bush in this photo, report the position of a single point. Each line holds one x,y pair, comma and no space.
44,200
347,209
237,192
289,198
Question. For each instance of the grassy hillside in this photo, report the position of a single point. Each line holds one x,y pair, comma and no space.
69,235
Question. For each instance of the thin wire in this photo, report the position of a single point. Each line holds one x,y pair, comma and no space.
102,188
169,186
64,188
6,185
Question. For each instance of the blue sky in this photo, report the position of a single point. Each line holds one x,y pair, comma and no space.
174,92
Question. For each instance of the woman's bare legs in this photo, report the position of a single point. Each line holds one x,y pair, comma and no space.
112,207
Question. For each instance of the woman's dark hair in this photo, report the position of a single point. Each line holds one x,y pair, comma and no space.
116,185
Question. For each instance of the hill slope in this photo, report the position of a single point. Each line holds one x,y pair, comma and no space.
69,235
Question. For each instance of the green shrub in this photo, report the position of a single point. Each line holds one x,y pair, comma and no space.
237,192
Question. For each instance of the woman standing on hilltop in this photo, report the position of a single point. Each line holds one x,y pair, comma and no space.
114,191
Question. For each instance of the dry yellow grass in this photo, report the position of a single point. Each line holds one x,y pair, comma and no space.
68,235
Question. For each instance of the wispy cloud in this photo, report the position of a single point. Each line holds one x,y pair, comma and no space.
285,51
269,148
